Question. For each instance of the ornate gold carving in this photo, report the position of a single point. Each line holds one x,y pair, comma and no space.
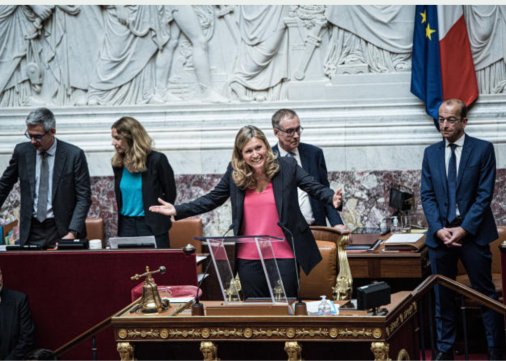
209,351
206,332
294,351
269,332
193,333
380,351
376,333
355,333
290,333
344,283
143,333
312,333
248,332
333,332
403,355
227,333
122,333
126,351
164,333
401,318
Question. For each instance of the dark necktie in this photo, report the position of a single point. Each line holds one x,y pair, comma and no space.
43,188
452,186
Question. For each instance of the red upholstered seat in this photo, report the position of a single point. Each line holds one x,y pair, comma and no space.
177,291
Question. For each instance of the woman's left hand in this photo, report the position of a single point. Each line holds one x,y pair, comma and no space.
338,198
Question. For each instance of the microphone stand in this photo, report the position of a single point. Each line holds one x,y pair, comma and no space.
197,307
300,307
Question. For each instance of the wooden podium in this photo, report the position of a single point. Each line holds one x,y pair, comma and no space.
240,337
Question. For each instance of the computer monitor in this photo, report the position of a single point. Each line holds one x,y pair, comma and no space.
132,242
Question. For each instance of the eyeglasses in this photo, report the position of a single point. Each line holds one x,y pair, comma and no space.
451,120
291,132
37,137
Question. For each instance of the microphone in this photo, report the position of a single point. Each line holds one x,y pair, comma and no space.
197,307
300,307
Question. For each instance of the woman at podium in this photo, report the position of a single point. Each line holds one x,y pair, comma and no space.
141,176
263,192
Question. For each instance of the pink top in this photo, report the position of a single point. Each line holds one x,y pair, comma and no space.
260,217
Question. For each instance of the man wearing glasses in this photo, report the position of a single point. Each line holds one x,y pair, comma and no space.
458,177
287,129
54,182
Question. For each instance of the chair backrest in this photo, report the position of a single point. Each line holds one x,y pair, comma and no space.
95,229
182,232
323,277
496,253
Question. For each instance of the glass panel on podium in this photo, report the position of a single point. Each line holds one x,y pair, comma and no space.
226,279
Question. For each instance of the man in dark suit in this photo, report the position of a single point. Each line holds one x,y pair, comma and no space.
54,182
16,327
458,177
287,129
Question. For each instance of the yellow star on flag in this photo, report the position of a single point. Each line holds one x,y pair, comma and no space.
424,16
429,31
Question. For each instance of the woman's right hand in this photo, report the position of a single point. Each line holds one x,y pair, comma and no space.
166,208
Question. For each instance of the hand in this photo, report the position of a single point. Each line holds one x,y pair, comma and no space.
69,235
458,234
444,235
341,227
121,14
166,208
337,198
42,11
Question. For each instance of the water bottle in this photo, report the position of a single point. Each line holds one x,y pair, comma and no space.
324,308
395,228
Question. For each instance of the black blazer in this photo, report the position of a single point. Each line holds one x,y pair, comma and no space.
71,187
17,326
284,184
313,162
157,182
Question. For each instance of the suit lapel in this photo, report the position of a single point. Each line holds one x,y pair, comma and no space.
59,163
304,158
6,318
277,188
464,157
31,163
441,159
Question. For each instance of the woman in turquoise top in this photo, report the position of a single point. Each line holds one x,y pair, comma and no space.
141,176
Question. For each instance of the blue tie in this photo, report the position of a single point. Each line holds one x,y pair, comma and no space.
290,155
452,186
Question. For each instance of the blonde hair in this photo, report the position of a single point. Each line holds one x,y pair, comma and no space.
138,145
243,174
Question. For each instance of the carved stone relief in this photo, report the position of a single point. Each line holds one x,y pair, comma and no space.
77,55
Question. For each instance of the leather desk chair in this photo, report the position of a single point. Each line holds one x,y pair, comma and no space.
95,229
323,277
182,232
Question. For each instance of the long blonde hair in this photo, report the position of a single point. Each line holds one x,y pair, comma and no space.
139,145
243,174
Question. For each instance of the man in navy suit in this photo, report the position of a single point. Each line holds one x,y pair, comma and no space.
287,129
16,327
458,177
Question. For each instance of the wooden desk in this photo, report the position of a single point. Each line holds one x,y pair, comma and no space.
379,264
264,337
71,291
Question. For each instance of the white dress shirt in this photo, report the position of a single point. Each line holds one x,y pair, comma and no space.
304,201
50,163
458,153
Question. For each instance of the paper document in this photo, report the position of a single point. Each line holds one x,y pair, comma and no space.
178,299
404,238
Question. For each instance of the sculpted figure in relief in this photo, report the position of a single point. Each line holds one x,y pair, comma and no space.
125,69
21,71
185,19
486,26
71,41
370,38
261,64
